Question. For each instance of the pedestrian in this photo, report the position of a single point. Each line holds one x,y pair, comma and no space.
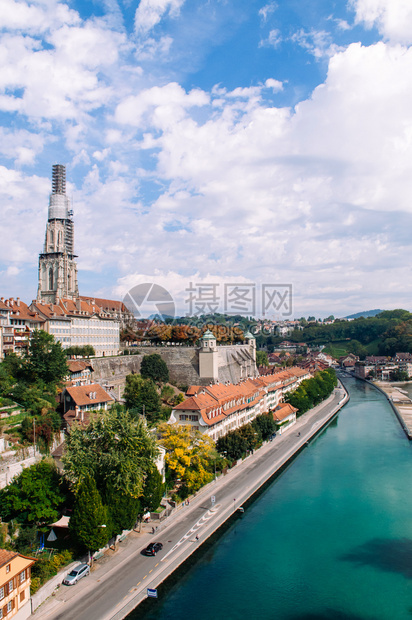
152,530
197,537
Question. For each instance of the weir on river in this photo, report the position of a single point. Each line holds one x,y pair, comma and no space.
330,538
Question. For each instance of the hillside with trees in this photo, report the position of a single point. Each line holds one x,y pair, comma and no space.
386,333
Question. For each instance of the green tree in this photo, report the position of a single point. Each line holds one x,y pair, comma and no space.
167,393
115,449
233,445
262,358
153,490
45,358
399,375
155,368
140,395
123,509
265,425
88,523
35,496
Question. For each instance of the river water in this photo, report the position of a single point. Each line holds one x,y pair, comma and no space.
330,539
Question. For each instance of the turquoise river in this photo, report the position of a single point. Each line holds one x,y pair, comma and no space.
330,538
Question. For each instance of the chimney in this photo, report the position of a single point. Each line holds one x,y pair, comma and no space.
18,301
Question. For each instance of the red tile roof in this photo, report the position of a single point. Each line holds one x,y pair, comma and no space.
78,365
109,305
215,402
283,411
7,556
81,394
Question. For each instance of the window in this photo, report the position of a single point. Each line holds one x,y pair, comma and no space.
22,596
1,593
22,576
8,568
9,606
10,585
1,613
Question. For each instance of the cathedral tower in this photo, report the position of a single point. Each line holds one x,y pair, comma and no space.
57,265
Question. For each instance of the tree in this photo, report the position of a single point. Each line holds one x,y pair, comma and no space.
88,522
155,368
45,358
115,449
123,510
399,375
262,358
167,393
153,490
265,425
35,496
189,455
233,445
141,395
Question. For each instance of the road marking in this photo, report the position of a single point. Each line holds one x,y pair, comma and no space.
144,577
138,584
150,571
157,564
193,530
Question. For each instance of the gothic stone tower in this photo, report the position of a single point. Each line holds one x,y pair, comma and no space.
57,265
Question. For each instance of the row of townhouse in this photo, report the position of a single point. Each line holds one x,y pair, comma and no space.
71,322
383,367
217,409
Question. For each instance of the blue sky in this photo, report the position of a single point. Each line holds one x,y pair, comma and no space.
217,141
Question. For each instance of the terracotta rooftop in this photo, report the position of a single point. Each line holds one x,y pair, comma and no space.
283,411
78,365
215,402
7,556
92,394
110,305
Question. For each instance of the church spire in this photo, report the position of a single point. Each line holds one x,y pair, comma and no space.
57,265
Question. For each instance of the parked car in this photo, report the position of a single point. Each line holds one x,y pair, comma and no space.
79,571
153,548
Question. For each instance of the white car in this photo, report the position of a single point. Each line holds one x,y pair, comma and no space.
79,571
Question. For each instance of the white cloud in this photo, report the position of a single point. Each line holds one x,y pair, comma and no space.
274,39
21,146
150,12
393,18
192,183
162,105
317,42
275,85
36,17
267,10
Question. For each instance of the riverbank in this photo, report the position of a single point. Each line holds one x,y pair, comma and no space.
118,585
400,402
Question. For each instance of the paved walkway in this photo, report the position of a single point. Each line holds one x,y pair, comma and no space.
119,581
401,403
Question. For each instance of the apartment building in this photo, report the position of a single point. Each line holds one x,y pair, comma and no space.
15,579
219,408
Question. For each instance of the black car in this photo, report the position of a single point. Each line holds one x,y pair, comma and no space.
153,548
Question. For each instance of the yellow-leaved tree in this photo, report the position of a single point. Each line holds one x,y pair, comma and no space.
190,455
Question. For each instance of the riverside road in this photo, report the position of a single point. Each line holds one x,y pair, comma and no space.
120,583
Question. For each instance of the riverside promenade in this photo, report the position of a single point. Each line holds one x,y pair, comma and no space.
119,583
400,402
